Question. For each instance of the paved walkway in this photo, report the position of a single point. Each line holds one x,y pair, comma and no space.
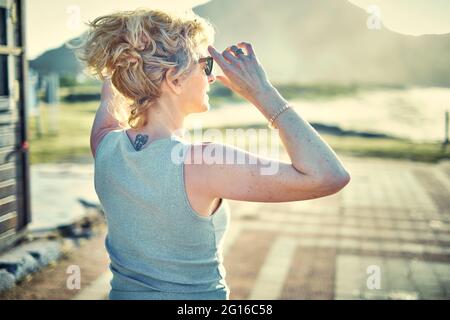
385,236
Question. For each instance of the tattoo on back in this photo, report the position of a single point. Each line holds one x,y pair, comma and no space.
141,140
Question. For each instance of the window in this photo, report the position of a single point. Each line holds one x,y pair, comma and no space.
17,24
3,16
4,75
18,68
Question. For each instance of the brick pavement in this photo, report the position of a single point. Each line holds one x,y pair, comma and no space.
394,217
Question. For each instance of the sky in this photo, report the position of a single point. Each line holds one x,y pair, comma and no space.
50,23
412,17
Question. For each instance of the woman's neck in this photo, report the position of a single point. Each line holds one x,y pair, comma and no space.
163,121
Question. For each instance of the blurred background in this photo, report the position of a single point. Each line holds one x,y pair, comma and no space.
373,77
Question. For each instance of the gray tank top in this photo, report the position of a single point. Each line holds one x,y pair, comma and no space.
157,243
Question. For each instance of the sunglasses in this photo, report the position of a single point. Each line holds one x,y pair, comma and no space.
209,64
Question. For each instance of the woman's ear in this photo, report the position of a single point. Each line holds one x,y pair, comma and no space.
173,83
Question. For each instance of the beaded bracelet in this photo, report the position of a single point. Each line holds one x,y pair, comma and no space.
276,115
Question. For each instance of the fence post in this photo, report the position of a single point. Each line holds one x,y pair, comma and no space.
33,100
446,140
52,99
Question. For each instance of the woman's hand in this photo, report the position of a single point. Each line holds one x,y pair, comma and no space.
243,73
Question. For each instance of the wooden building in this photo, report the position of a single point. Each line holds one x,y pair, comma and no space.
15,213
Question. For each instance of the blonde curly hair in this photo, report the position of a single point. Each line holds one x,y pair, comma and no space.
137,48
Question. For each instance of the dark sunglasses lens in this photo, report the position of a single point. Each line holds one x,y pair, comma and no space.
209,63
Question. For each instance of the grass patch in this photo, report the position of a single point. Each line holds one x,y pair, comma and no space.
388,148
379,147
75,121
72,140
220,94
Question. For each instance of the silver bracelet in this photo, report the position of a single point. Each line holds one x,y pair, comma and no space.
276,115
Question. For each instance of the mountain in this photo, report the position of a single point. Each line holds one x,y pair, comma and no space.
304,41
61,60
328,40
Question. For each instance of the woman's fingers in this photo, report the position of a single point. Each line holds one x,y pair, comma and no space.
229,57
233,49
248,47
224,64
242,72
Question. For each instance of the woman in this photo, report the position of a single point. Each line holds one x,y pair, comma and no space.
167,220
